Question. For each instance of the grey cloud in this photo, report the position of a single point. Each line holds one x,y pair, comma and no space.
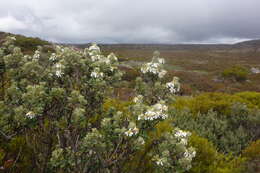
135,21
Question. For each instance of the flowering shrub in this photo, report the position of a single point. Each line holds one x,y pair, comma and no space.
56,101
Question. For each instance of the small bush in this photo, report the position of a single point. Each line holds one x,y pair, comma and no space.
229,133
206,154
218,102
237,73
208,160
252,153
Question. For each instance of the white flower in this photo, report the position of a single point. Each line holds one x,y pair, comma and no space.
96,73
159,162
184,141
105,60
58,65
138,99
150,68
13,38
53,57
27,57
94,50
156,111
189,154
95,57
161,60
154,67
132,131
174,85
162,73
140,117
112,57
181,134
36,55
58,73
112,68
30,115
94,47
58,69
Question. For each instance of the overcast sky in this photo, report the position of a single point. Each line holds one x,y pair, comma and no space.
133,21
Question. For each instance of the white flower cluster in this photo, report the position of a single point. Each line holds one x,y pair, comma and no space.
36,55
13,38
30,115
155,66
99,59
132,131
156,111
174,85
104,59
182,136
160,161
189,154
96,73
94,50
161,60
95,55
138,99
53,57
112,57
58,69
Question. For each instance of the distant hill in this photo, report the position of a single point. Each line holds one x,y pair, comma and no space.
31,43
252,44
27,44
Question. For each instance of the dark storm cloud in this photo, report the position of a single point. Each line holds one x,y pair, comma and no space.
133,21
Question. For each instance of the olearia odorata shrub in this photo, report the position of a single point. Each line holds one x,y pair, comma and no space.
55,102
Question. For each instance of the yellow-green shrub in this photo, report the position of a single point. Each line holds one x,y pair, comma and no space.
237,72
206,154
252,154
253,150
251,97
219,102
208,160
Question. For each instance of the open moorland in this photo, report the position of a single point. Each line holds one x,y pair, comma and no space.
78,108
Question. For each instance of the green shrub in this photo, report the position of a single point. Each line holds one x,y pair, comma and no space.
228,133
206,154
237,73
208,160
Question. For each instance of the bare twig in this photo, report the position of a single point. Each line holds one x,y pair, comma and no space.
17,157
7,137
